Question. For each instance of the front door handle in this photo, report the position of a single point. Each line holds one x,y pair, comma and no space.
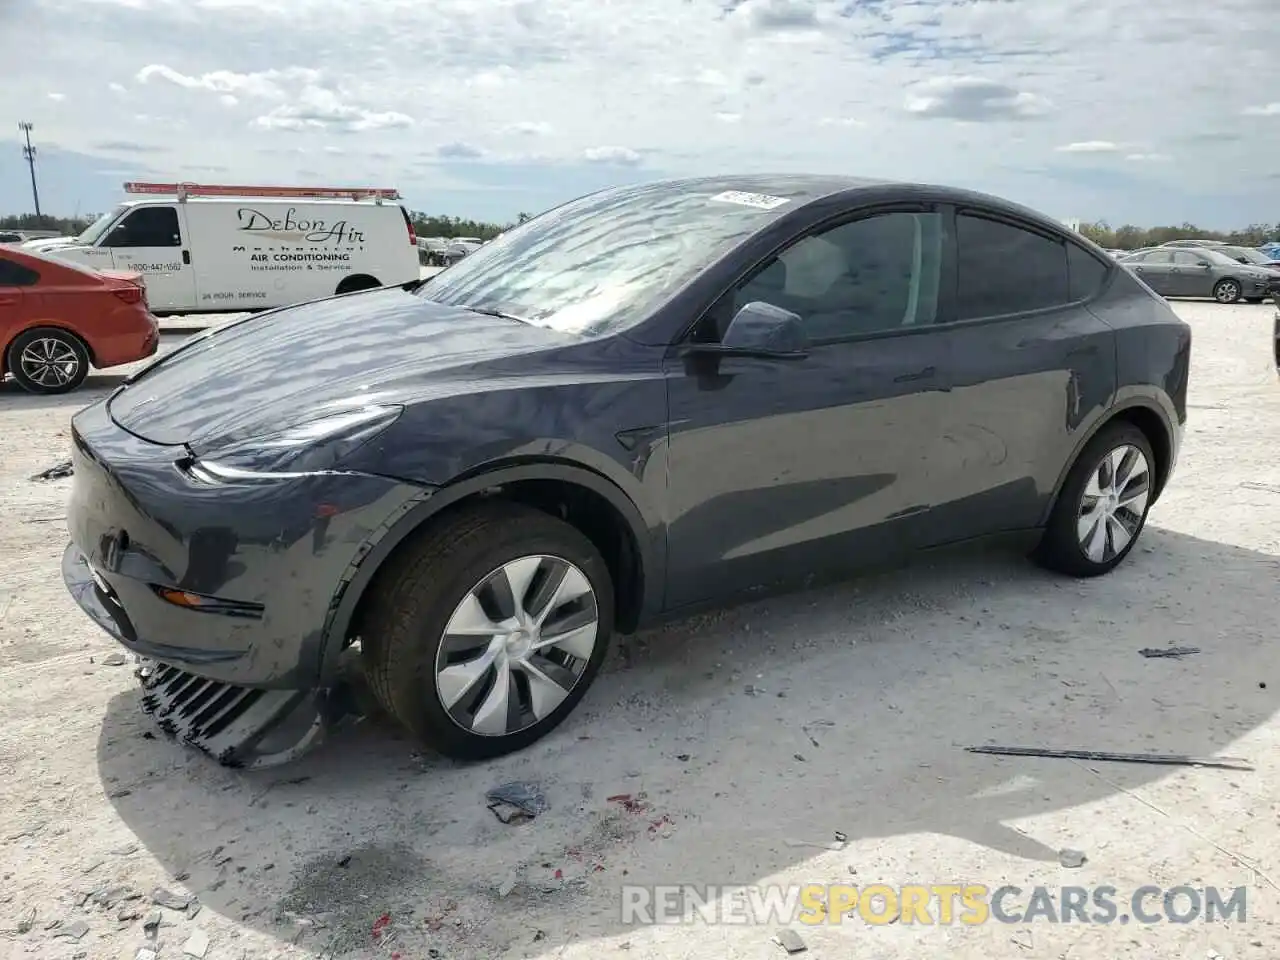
7,299
186,256
924,374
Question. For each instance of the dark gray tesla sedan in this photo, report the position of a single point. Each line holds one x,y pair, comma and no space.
643,402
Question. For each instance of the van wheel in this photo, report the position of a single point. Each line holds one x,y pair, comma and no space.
482,637
361,281
46,360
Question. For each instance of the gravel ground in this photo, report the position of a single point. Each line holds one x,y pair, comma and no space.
843,710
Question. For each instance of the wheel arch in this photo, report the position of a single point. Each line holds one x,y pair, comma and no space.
356,283
595,505
1142,413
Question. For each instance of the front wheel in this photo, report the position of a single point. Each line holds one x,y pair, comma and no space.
1226,291
482,637
48,361
1103,505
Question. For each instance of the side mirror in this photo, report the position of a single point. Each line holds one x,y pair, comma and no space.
760,329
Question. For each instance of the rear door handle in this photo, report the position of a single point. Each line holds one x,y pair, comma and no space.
186,256
924,374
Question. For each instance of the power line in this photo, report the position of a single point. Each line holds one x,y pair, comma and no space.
29,154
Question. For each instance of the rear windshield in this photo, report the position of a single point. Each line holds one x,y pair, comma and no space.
603,262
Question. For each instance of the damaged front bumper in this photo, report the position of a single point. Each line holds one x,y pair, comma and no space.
238,726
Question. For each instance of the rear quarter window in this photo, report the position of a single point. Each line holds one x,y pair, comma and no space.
1005,269
16,275
1085,272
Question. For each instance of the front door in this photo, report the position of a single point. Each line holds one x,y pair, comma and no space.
784,469
1191,278
152,241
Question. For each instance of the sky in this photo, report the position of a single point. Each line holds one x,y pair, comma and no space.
1116,110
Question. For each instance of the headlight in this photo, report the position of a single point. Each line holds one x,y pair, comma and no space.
311,446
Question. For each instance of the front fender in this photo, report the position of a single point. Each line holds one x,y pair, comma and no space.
360,573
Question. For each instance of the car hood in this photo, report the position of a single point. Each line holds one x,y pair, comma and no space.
277,369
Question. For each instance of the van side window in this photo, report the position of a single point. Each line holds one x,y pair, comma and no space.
146,227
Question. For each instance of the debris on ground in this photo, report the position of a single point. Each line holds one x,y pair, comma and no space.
1168,759
839,843
197,944
73,931
1071,858
151,925
629,803
174,901
114,660
28,921
1176,653
790,941
516,801
58,471
145,953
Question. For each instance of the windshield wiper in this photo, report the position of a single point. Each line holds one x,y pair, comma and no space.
494,313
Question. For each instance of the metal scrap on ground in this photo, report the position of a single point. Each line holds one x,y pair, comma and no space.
1169,759
1175,652
513,802
56,472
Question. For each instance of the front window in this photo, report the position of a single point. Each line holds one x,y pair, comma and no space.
603,262
96,229
1248,255
1213,256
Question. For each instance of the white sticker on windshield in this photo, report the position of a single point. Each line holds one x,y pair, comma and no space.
761,200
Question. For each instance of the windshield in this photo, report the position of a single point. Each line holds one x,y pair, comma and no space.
604,261
99,226
1246,254
1214,256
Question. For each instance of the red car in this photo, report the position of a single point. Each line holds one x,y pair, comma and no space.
58,319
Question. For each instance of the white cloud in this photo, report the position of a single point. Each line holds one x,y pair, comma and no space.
620,155
979,93
1089,146
1149,157
57,97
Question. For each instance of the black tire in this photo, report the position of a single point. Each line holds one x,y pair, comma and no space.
1060,548
48,341
411,601
1227,290
354,284
1254,299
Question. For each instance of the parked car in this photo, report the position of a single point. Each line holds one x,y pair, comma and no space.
215,248
1204,272
458,249
11,236
433,250
1252,256
58,319
657,399
1192,243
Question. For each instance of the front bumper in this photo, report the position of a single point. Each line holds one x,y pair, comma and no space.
271,559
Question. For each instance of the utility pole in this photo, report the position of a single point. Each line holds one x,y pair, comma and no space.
29,154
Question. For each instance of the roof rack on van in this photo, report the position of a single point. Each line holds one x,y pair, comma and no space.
184,190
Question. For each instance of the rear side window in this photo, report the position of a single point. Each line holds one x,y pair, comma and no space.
146,227
1005,269
1085,272
16,275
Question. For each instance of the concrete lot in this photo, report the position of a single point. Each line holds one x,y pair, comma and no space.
839,710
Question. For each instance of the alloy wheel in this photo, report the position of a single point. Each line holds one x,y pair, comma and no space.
50,362
1114,503
1228,292
516,646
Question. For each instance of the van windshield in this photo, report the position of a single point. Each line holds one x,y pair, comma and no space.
603,262
99,227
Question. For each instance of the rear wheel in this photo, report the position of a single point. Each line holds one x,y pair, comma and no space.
1226,291
361,281
47,360
1103,504
484,636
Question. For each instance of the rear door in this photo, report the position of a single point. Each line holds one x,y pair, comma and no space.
1189,276
1156,270
152,240
1029,362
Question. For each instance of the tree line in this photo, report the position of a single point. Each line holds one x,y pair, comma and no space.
1127,237
1130,237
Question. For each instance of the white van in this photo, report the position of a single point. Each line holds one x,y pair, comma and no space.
223,248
